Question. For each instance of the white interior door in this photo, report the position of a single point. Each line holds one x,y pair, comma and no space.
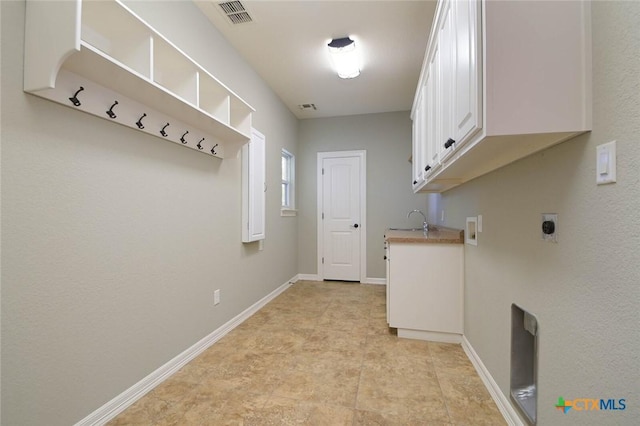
342,228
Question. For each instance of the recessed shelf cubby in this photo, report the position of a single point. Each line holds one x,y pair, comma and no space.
175,72
110,29
101,58
213,99
240,116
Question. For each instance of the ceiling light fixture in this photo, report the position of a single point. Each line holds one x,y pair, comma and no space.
345,57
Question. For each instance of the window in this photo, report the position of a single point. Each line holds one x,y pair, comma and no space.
288,182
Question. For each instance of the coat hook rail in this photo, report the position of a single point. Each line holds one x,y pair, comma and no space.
200,144
110,113
74,99
162,132
182,139
213,150
139,122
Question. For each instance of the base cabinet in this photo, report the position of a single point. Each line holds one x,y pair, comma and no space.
425,284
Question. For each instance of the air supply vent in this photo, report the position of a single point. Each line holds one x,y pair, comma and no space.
307,106
236,12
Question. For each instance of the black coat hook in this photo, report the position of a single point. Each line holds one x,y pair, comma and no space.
200,144
110,113
213,150
182,137
162,132
74,100
139,122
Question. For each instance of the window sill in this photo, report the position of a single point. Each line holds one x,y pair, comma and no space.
288,212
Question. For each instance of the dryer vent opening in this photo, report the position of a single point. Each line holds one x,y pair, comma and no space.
524,362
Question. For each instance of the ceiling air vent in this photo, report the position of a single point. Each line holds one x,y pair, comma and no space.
236,12
307,106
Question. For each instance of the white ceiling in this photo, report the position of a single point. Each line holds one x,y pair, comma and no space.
286,45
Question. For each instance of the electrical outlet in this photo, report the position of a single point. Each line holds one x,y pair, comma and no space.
549,227
216,297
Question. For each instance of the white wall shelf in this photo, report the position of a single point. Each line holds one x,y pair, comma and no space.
105,48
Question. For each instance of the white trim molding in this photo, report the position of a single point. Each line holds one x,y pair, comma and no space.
376,281
123,401
288,212
505,407
308,277
316,277
432,336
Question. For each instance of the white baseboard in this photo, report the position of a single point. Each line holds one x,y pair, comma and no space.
433,336
378,281
308,277
316,277
505,407
121,402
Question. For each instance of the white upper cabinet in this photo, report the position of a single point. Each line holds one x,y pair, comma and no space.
467,102
502,80
430,93
446,53
254,188
418,145
101,58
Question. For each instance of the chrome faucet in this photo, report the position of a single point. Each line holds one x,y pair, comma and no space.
425,226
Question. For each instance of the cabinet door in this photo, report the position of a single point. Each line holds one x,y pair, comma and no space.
433,108
421,156
386,261
253,188
426,287
468,82
425,158
447,51
418,147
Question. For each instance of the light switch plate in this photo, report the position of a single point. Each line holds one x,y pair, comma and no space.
606,163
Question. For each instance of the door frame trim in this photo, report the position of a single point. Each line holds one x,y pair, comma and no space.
362,154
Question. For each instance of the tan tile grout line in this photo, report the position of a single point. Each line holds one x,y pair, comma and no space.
444,399
355,402
368,336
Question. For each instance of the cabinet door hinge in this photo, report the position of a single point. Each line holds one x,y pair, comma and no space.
323,170
322,215
323,260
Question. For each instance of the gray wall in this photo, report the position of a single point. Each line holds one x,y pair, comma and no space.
114,241
387,140
584,289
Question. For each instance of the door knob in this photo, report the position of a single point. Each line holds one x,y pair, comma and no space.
356,225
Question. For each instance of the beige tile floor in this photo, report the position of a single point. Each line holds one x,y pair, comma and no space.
320,354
